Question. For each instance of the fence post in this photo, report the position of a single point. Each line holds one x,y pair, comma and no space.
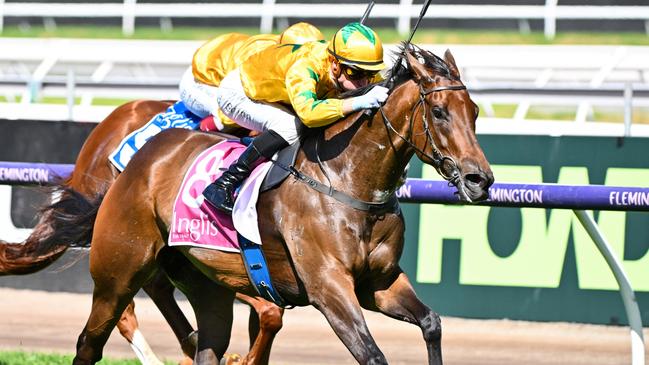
36,81
628,297
128,18
267,16
550,24
70,93
628,108
403,23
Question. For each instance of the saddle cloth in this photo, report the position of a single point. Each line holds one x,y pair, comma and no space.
176,116
195,223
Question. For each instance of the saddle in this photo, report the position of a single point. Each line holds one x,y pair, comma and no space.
281,167
253,257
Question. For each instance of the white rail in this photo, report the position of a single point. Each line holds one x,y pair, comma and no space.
268,10
626,291
575,77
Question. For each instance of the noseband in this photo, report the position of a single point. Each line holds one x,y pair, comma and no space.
445,165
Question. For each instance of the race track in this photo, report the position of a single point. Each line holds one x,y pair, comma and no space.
42,321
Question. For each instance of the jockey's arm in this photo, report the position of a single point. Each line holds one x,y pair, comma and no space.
301,81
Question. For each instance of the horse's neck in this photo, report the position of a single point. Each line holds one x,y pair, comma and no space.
368,160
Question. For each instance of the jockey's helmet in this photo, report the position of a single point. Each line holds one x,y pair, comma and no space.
359,46
301,33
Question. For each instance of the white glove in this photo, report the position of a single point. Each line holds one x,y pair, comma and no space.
372,99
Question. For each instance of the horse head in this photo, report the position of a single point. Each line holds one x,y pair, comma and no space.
439,126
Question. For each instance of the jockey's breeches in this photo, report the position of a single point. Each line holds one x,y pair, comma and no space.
199,98
254,115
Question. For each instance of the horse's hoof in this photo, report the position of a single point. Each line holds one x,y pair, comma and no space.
230,359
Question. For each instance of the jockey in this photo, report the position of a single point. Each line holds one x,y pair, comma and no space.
309,79
217,57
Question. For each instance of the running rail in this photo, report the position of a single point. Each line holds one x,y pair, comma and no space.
580,198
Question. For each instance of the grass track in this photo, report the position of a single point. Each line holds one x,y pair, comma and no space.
34,358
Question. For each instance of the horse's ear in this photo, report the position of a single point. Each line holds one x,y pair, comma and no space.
418,70
450,61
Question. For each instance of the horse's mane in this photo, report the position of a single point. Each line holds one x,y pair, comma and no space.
400,72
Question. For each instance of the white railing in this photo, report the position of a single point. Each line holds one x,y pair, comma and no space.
268,10
579,78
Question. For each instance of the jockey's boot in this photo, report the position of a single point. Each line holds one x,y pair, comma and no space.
220,193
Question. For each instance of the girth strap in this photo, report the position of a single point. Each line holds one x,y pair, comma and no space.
257,269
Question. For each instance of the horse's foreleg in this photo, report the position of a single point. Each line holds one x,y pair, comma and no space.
396,298
161,291
264,323
337,300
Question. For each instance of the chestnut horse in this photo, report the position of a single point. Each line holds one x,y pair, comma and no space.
92,176
337,253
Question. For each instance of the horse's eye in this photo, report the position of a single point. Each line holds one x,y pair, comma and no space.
438,113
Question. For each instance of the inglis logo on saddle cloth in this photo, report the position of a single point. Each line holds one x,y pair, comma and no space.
192,227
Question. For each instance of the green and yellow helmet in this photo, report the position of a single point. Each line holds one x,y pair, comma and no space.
357,45
301,33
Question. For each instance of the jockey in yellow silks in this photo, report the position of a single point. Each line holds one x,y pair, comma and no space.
308,79
219,56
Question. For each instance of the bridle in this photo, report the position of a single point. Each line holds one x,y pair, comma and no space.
445,165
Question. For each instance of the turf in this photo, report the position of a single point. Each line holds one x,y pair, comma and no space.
35,358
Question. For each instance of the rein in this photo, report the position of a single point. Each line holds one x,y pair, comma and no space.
445,165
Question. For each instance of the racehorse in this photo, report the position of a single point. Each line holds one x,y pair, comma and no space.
92,176
337,252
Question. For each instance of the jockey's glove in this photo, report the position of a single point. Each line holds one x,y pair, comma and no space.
372,99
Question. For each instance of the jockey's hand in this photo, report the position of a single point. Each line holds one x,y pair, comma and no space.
373,99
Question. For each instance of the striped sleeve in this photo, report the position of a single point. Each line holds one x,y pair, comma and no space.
301,84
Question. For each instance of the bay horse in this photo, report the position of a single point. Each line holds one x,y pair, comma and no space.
321,251
92,176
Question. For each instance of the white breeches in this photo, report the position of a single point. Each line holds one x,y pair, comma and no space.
254,115
200,99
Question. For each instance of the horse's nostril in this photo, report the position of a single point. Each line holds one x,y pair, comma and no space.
476,179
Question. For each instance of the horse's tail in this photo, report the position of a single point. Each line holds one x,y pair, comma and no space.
65,223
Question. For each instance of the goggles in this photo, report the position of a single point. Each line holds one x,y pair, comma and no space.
354,73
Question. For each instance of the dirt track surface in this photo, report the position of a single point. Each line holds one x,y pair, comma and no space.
41,321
